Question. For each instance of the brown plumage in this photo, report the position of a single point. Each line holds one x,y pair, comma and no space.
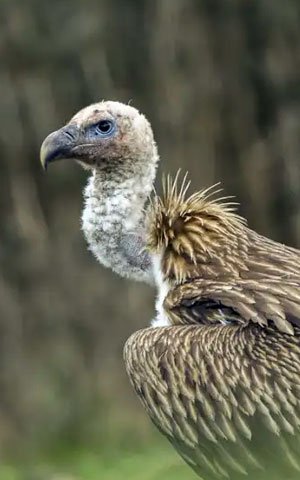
210,259
223,382
227,397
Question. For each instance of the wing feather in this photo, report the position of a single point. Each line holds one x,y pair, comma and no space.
238,300
227,418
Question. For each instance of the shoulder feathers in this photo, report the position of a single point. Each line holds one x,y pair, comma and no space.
210,257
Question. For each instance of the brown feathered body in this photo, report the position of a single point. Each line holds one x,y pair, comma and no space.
227,397
223,381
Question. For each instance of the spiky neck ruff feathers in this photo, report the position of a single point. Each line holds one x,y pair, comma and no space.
198,236
115,142
211,268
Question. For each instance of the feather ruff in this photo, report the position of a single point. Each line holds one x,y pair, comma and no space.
218,268
190,229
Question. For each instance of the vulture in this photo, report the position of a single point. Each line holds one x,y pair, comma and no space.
218,369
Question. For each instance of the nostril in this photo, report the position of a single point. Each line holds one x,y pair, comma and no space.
71,133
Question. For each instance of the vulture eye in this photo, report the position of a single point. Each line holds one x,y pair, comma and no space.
104,128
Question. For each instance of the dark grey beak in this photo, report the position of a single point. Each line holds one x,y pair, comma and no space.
59,145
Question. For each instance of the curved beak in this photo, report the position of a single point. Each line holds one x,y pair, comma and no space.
59,145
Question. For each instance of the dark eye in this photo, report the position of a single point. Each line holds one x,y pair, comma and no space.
104,127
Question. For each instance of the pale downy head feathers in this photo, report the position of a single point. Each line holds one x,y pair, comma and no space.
103,136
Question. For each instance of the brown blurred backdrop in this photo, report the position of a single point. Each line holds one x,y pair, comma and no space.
220,82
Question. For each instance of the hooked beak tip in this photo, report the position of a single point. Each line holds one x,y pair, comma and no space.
58,145
44,154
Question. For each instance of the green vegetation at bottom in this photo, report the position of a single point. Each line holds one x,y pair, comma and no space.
157,462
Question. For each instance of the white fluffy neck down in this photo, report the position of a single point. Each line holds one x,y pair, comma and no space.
113,221
161,319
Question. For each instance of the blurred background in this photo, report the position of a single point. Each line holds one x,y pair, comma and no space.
220,83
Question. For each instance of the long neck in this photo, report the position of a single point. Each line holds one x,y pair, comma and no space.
113,219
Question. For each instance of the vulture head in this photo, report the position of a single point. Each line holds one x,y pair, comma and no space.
103,136
115,143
